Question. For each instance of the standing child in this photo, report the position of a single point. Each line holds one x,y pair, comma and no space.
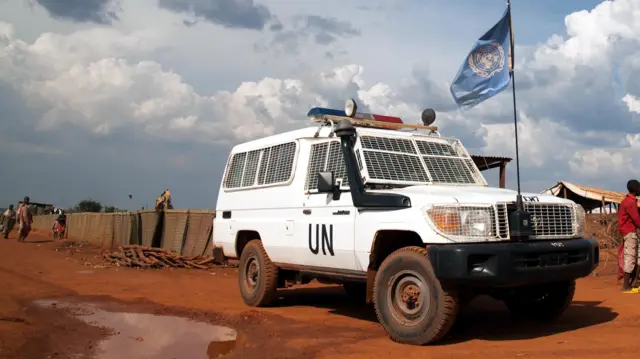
628,225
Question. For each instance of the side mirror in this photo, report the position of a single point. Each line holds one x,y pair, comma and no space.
326,182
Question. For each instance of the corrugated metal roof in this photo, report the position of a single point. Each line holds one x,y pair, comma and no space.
486,162
497,158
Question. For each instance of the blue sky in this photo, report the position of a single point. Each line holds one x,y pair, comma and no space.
101,101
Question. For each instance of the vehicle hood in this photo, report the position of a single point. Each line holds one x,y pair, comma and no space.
471,195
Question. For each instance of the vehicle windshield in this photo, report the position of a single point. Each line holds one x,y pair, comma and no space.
402,161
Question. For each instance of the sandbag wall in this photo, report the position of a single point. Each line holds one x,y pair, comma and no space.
187,232
43,223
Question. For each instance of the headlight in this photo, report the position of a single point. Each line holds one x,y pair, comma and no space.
579,224
466,222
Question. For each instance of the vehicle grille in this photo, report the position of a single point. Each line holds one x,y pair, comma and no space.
502,221
549,220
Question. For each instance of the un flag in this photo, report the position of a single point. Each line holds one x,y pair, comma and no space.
486,70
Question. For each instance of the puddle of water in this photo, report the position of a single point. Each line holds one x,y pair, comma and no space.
148,336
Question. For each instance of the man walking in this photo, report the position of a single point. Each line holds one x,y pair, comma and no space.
25,218
628,225
8,220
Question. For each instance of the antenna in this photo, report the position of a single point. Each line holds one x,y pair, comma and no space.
520,220
515,111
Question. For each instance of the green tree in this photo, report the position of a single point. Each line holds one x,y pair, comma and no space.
113,209
88,205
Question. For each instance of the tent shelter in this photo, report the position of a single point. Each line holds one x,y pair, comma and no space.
589,198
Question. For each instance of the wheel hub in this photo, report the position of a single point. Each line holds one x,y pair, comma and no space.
410,297
252,272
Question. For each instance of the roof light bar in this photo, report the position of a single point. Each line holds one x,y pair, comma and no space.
320,111
350,112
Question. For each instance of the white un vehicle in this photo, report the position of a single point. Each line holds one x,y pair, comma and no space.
398,215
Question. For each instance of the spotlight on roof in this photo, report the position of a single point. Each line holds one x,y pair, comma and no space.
350,107
428,116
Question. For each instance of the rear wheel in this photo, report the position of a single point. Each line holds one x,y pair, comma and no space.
541,302
257,276
409,301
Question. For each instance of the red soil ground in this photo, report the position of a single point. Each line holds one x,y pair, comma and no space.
314,321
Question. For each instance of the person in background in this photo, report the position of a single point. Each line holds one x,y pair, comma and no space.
60,222
628,226
8,220
25,218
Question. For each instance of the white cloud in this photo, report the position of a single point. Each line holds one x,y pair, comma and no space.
597,162
632,103
538,140
111,80
82,87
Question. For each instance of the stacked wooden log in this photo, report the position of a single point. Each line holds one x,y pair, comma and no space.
148,257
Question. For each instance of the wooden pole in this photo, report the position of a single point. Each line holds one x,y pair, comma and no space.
503,174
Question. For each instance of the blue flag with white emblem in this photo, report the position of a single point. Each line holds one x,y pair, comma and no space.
485,72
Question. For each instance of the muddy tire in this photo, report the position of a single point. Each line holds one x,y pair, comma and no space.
544,302
409,300
357,291
257,276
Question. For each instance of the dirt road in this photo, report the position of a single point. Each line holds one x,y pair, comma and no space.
309,322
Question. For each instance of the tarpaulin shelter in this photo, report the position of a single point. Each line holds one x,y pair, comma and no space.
589,198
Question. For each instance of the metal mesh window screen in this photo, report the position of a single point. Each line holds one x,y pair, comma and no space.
448,170
234,174
280,163
398,159
251,168
436,149
326,157
264,164
392,159
317,161
388,144
335,163
448,163
271,165
394,167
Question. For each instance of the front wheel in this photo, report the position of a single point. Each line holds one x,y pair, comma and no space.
409,301
541,302
257,276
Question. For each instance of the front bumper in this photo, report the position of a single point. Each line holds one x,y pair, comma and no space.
510,264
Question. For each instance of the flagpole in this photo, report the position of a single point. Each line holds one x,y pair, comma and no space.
515,111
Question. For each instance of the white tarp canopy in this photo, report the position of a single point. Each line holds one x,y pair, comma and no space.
589,198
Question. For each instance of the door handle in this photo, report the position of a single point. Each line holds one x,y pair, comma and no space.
306,211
